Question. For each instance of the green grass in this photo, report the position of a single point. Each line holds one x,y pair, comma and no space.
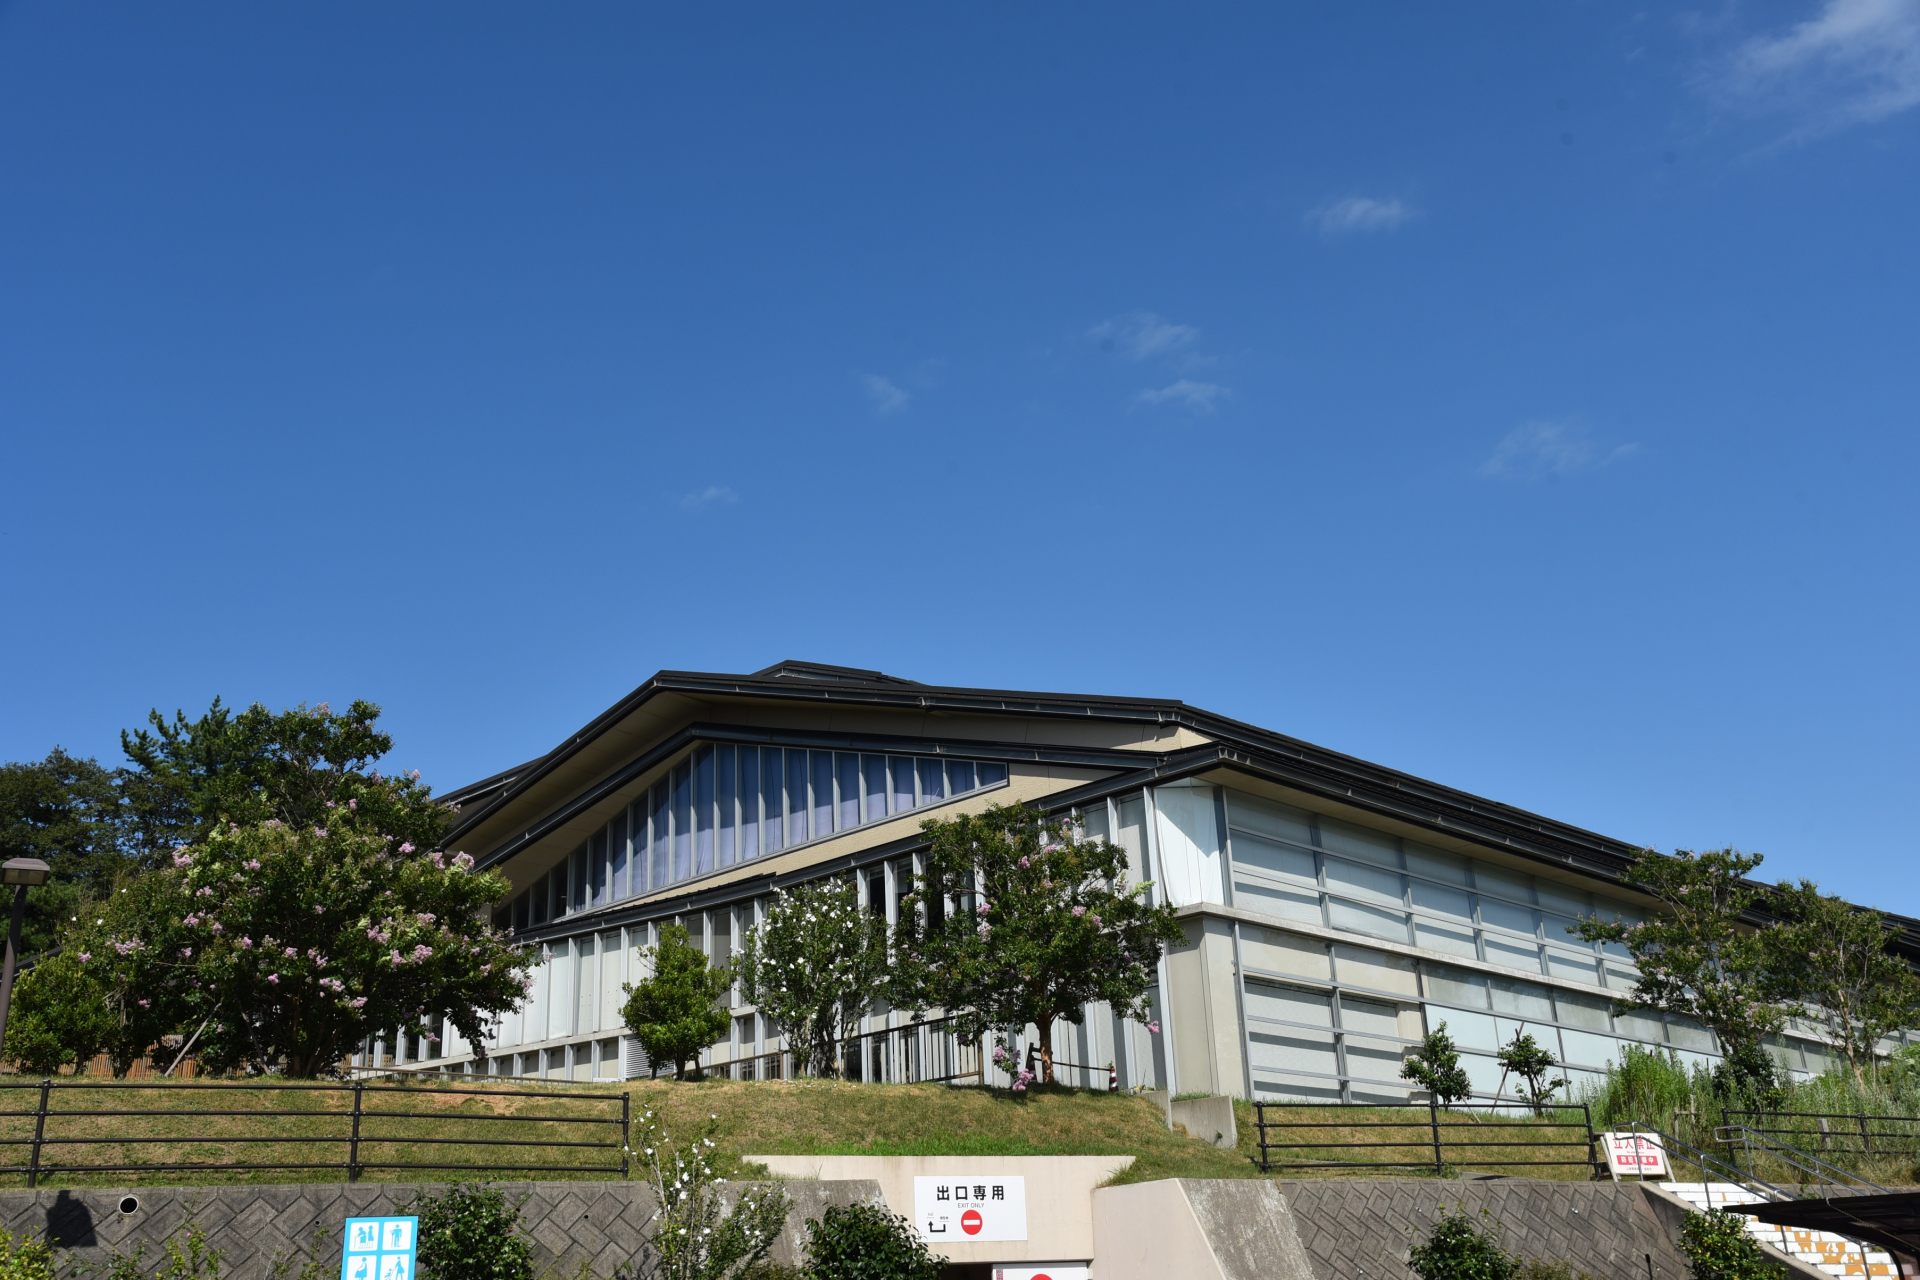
802,1117
1507,1144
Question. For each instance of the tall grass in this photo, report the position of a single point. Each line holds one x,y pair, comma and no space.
1869,1127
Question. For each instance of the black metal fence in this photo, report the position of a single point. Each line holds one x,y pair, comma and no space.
55,1128
1835,1132
919,1053
1479,1135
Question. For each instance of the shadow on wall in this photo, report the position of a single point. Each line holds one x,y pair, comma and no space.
70,1223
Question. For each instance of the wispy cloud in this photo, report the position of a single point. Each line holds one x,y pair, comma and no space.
1194,397
886,395
1143,335
1356,215
714,495
1550,450
1853,62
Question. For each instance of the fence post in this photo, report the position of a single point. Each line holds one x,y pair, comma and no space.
353,1143
39,1133
1433,1119
1866,1136
1593,1143
626,1120
1260,1128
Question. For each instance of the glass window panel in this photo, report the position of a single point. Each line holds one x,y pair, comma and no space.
1369,884
1469,1030
796,798
1589,1050
1688,1034
1277,859
582,885
1561,898
1523,999
522,907
1583,1011
773,777
1640,1025
1456,986
1436,865
617,888
727,773
1277,1052
1560,930
1566,964
848,768
933,783
902,767
1504,915
1275,1003
990,773
822,808
1264,817
1374,922
1507,884
558,879
1438,937
959,777
720,937
1291,904
1375,1017
1546,1037
1374,847
1371,1060
682,786
657,837
1441,900
703,772
1515,955
597,861
873,770
749,803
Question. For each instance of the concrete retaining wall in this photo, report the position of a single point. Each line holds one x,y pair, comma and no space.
571,1224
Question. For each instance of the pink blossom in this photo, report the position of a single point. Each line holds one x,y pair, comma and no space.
426,917
323,710
394,957
321,832
246,943
186,953
981,910
273,979
251,864
217,927
181,858
407,847
358,1002
414,774
1078,912
438,859
1095,919
204,891
290,953
1025,862
273,824
191,920
353,804
85,956
421,951
145,1004
378,934
1153,1028
985,930
463,860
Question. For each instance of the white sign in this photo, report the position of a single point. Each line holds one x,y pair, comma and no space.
1636,1154
956,1209
1044,1271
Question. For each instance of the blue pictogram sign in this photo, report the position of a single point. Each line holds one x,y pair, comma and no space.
379,1249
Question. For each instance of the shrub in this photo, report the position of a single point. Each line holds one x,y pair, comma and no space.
694,1233
193,1259
677,1012
1435,1067
1458,1250
471,1232
25,1258
866,1242
1718,1247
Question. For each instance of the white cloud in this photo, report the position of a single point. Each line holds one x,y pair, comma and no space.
884,393
714,495
1853,62
1549,450
1354,215
1143,335
1195,397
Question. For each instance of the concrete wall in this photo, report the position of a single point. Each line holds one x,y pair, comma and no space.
571,1224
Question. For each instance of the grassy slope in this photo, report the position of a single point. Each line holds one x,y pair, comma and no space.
772,1118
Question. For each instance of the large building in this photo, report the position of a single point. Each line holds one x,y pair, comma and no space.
1334,910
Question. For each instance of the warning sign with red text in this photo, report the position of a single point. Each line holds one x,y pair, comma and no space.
956,1209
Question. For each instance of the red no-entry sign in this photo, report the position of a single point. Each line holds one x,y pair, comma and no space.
971,1222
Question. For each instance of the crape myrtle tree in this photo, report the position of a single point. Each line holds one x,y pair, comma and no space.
1699,957
817,964
310,910
1835,958
1043,924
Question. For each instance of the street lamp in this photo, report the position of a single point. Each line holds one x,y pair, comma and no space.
22,874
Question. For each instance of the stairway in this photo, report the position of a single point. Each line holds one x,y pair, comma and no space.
1835,1255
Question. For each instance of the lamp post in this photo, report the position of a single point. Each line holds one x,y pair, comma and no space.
22,874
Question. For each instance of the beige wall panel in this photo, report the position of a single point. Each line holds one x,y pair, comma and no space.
1284,953
1375,970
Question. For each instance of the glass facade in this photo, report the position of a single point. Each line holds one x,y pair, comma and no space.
722,805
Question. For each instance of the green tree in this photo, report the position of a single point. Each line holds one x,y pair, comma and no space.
1719,1247
677,1012
1434,1065
1042,925
471,1232
66,811
866,1242
301,767
1835,960
1524,1057
59,1018
1456,1249
817,964
702,1228
285,948
1700,955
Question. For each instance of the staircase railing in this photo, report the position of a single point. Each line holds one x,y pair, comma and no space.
1814,1171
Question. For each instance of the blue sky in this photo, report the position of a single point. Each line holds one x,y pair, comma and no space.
1527,402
